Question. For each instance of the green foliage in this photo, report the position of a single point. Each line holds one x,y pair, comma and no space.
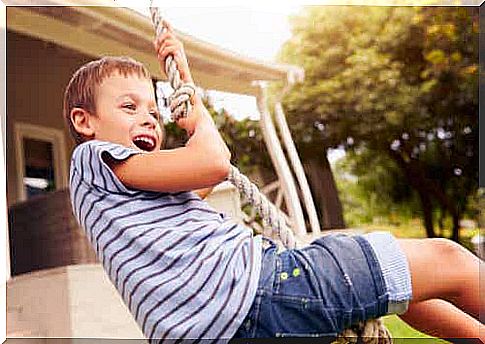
400,82
243,138
245,141
373,189
451,50
476,207
353,86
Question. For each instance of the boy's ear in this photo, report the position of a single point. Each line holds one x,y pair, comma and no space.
81,120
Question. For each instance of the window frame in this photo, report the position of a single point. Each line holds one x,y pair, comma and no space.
51,135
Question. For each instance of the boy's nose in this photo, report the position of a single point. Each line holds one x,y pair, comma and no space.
149,121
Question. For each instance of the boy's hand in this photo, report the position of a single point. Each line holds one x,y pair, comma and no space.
197,116
202,130
167,44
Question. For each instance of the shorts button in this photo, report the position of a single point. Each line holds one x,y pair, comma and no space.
284,276
296,272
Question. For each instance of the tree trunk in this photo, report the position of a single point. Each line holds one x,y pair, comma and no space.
427,214
325,193
416,178
455,235
441,220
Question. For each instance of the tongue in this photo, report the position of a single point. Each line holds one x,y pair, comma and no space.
143,145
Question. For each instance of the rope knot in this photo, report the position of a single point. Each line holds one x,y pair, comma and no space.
179,100
371,331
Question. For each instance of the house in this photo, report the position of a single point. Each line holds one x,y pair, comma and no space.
56,287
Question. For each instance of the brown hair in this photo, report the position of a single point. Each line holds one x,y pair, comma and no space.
81,90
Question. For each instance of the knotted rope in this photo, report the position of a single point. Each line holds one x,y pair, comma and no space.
273,222
180,106
180,100
369,332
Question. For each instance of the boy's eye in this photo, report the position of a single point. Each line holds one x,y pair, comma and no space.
154,114
129,106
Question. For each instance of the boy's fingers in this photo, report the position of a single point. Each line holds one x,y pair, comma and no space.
167,51
182,66
163,37
171,48
166,24
179,59
169,42
166,35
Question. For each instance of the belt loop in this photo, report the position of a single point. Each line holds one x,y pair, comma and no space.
269,241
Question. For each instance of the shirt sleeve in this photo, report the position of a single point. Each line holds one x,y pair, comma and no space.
89,163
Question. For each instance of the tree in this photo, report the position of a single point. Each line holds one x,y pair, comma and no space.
449,91
382,196
399,82
337,49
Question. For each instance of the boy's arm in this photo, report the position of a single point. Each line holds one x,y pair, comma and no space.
203,162
205,159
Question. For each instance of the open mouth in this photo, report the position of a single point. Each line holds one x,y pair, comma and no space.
145,142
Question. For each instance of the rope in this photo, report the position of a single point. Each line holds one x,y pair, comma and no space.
274,223
369,332
269,213
180,100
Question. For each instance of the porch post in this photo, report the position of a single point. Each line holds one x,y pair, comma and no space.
297,168
279,162
293,76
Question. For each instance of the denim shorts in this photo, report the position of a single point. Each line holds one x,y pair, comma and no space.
321,289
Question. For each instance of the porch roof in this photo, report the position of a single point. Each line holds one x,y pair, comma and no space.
101,29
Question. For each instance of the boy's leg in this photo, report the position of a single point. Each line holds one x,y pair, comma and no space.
441,319
442,269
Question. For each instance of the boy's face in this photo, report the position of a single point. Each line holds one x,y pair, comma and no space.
126,113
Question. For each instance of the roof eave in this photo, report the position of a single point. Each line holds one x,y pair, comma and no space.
107,30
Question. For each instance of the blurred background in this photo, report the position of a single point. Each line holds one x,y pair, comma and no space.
385,122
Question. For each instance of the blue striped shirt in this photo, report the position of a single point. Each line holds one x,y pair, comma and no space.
183,269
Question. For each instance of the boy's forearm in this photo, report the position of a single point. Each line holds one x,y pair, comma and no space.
207,137
203,162
180,169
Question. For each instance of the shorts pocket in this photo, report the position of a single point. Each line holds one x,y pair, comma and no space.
301,317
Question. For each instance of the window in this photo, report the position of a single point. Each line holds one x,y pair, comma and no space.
41,160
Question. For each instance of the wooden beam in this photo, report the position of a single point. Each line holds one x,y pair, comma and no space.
121,31
297,168
281,165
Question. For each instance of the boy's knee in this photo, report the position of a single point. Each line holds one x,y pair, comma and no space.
447,248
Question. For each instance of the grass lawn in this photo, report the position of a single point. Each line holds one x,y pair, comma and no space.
399,329
415,229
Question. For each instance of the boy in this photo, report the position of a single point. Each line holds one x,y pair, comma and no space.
186,271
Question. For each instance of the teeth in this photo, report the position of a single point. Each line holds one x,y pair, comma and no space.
145,139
